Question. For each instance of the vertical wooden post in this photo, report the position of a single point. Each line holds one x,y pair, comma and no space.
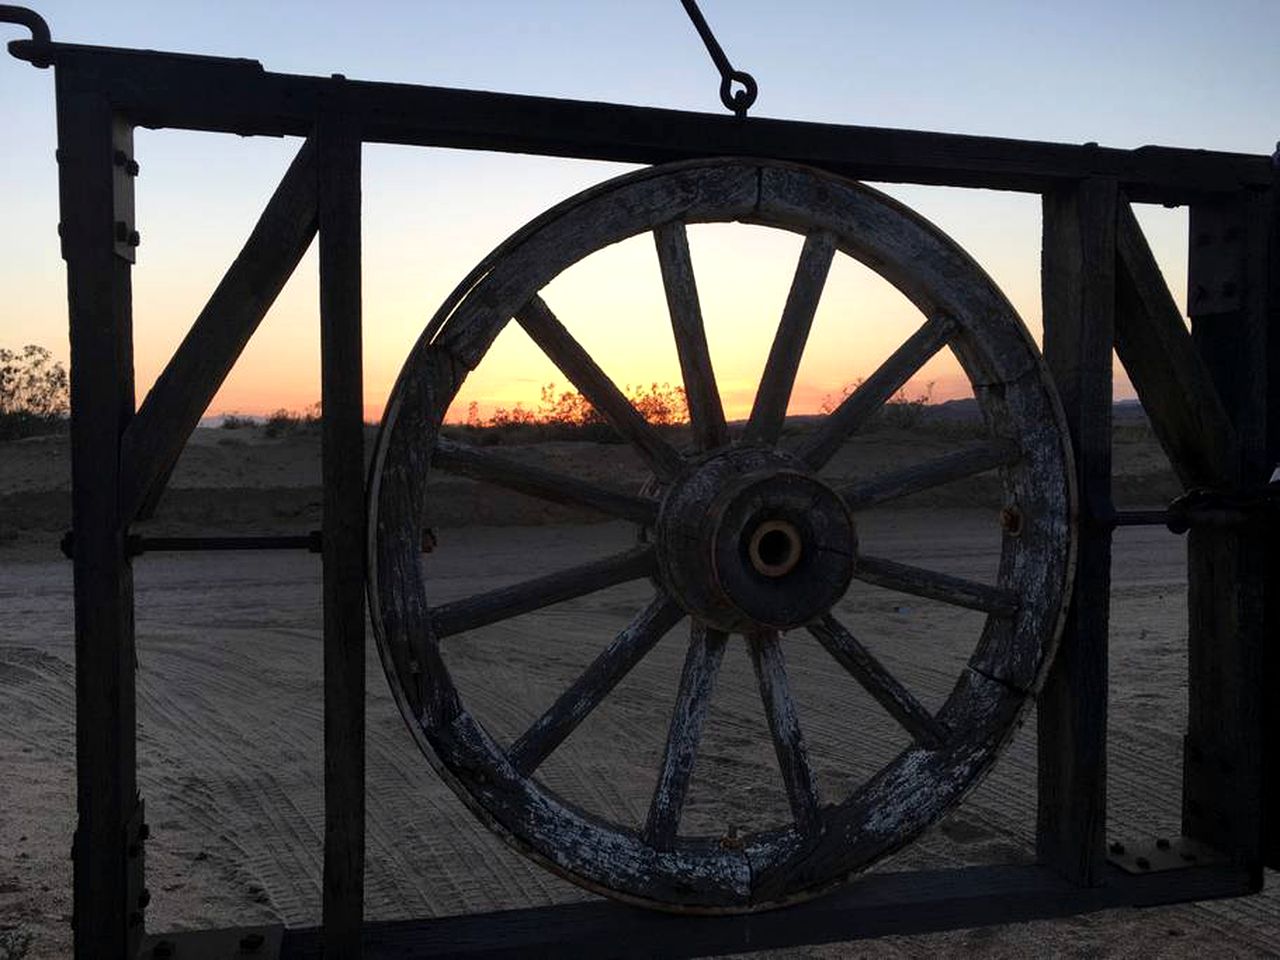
96,210
1271,666
1228,290
1078,281
338,143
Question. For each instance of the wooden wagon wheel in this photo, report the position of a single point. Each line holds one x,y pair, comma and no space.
739,537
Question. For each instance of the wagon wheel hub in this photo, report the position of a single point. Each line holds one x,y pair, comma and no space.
748,540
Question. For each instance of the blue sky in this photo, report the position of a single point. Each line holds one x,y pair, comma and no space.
1122,73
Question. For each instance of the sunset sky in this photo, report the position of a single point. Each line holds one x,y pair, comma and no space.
1123,74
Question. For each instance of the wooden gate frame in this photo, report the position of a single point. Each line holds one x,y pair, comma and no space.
1207,392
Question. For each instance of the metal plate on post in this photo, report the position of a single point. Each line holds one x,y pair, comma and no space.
235,943
123,171
1161,854
1214,283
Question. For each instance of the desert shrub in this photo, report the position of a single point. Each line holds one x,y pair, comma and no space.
568,415
901,411
284,423
234,421
33,393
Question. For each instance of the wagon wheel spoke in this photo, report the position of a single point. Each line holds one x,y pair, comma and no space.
972,460
769,411
494,605
604,673
706,414
936,586
534,481
701,664
859,406
788,741
879,682
575,363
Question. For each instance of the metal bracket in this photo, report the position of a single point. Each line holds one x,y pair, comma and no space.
137,897
1162,854
123,171
1209,508
240,943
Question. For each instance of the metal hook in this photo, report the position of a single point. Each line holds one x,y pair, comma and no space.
40,36
739,101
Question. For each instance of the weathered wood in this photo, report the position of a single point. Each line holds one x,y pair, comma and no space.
586,693
1271,654
504,602
534,481
784,726
1169,375
772,396
854,411
966,462
238,96
693,700
706,414
879,682
99,298
342,452
181,394
1227,569
919,582
1079,294
575,363
878,905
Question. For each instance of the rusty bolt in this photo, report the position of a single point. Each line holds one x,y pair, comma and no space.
1117,848
1011,521
144,899
1162,843
1143,863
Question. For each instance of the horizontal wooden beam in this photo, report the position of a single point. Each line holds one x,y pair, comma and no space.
1168,372
239,96
184,390
874,906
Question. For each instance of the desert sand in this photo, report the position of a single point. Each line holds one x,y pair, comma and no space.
230,723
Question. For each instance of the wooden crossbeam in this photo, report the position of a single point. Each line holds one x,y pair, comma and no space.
239,96
1171,378
156,435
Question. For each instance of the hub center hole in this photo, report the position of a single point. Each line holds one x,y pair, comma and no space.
775,548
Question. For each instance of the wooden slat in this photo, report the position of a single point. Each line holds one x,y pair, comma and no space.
693,700
1170,377
188,383
857,408
966,462
1079,284
586,693
529,479
919,582
877,905
1271,663
769,410
342,447
784,725
705,410
1228,570
879,682
238,96
575,363
99,297
504,602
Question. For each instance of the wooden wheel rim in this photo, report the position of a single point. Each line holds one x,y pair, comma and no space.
827,843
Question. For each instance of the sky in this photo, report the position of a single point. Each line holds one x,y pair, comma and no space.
1123,74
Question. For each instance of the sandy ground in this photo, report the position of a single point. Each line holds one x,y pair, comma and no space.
230,724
